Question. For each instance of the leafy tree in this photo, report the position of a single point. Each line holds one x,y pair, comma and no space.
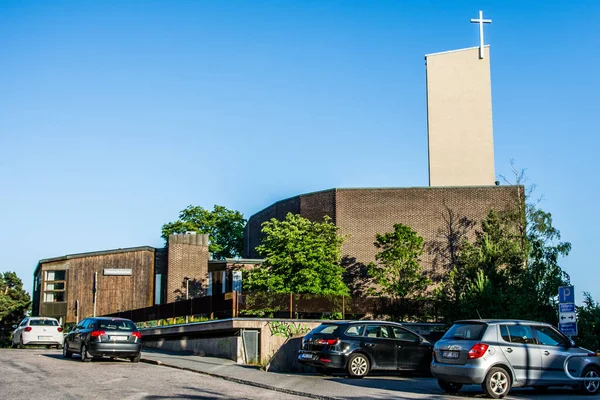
511,270
14,304
397,271
588,323
300,257
225,228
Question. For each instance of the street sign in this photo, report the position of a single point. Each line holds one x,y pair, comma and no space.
568,328
566,308
567,317
566,294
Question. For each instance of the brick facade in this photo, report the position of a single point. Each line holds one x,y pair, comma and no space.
362,213
187,257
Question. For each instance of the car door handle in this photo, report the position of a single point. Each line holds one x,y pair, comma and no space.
546,353
509,350
370,344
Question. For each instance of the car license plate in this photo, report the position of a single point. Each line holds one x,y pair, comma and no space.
450,354
44,337
306,356
118,338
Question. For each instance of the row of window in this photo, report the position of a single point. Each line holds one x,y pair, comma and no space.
373,331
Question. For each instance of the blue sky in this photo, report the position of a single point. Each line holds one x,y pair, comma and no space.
115,115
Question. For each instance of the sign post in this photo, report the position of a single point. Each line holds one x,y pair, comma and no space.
567,319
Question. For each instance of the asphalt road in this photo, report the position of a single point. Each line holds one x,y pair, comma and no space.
39,373
45,374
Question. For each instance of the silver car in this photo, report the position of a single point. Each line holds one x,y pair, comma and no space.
500,354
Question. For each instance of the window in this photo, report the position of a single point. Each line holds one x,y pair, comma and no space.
113,325
517,334
466,331
403,334
549,337
54,286
43,322
378,331
325,329
355,330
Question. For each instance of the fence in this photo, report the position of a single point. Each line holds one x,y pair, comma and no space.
297,306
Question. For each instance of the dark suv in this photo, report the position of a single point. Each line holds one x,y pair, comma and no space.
361,346
98,337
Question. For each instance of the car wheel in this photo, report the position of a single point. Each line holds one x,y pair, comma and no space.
449,387
497,383
358,365
66,352
590,387
85,355
324,371
136,358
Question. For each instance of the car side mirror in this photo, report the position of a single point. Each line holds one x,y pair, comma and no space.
14,327
572,343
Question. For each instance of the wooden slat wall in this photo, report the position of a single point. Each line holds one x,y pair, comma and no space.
115,293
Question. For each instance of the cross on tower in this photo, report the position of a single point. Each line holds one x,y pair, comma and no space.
481,21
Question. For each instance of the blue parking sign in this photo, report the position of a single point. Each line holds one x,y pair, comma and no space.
568,328
566,294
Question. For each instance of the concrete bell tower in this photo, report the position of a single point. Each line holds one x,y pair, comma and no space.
459,116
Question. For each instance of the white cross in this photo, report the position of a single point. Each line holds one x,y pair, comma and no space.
481,21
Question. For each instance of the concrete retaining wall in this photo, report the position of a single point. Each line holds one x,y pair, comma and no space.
226,347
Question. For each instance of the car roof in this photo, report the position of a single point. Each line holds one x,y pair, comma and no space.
348,322
500,321
50,318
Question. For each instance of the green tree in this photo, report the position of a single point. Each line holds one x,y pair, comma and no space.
300,257
225,228
510,271
588,323
397,271
14,304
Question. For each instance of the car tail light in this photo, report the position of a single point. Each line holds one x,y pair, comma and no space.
59,329
330,342
97,333
478,350
27,329
137,335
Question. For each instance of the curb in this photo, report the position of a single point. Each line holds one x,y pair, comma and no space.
241,381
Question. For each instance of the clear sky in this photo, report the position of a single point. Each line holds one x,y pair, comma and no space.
116,115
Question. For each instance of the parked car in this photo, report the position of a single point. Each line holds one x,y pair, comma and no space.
359,347
38,331
98,337
500,354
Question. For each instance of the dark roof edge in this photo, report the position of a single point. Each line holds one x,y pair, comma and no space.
384,188
292,197
96,253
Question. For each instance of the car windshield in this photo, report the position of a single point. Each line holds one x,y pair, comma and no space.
465,332
116,325
39,322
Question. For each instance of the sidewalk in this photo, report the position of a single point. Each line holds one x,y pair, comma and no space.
306,385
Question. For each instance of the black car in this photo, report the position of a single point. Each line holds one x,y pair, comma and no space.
98,337
359,347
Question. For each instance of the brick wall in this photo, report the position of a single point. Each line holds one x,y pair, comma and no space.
362,213
187,257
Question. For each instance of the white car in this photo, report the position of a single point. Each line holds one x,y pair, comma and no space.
38,331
